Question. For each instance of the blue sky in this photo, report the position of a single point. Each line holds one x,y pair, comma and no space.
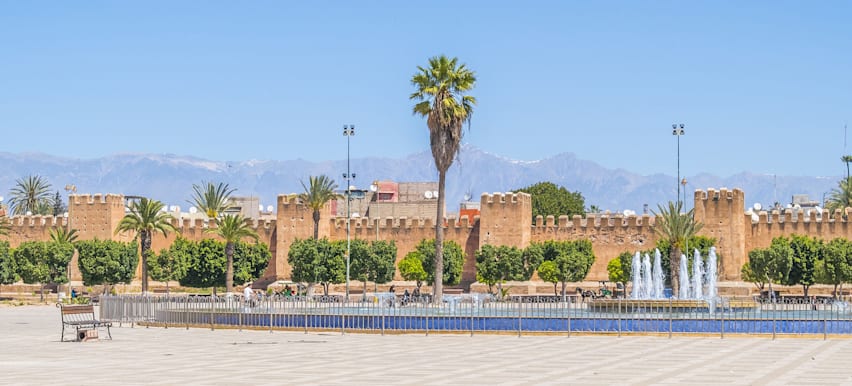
763,86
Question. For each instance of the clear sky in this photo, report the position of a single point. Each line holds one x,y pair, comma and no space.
763,86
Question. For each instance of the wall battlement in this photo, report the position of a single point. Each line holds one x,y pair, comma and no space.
97,198
505,198
37,221
402,222
577,222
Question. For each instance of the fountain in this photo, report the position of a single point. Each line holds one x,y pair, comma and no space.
711,273
659,277
647,284
684,279
636,276
697,276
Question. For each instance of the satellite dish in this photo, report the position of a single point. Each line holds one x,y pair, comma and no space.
172,208
818,209
352,187
789,206
260,208
428,194
193,210
29,213
467,196
628,212
269,208
757,206
373,187
797,206
355,215
435,194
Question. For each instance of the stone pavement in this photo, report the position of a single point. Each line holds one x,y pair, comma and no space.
31,353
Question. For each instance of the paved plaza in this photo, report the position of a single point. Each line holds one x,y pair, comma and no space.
31,353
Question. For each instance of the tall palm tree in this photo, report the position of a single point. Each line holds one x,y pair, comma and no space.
232,228
841,196
145,217
846,159
211,199
440,95
31,194
676,227
318,192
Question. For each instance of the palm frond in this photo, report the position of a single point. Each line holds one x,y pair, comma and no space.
212,199
233,228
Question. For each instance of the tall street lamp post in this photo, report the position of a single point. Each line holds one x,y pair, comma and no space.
677,130
348,132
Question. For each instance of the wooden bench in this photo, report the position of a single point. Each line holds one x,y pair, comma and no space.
81,318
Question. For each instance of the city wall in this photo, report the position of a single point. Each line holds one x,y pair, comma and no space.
505,219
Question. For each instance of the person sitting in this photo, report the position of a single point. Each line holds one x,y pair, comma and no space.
406,297
73,293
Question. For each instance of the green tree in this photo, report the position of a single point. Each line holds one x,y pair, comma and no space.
748,276
41,262
145,217
58,206
411,268
232,228
498,264
838,263
107,262
571,261
250,261
167,266
210,199
549,272
549,199
453,261
373,262
616,273
206,262
317,261
31,194
771,265
806,252
676,228
319,191
440,92
8,268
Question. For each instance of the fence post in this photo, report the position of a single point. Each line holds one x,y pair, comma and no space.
722,317
520,310
824,325
382,313
773,318
568,307
428,308
306,314
345,303
619,317
269,309
670,318
471,316
211,313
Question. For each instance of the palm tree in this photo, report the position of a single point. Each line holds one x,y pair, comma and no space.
63,235
846,159
31,194
840,197
440,92
677,228
146,217
320,191
232,228
211,199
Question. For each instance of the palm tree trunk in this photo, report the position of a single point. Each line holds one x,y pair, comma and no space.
145,238
316,224
438,288
229,273
674,264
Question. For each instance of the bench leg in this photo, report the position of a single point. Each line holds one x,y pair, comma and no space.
62,338
109,334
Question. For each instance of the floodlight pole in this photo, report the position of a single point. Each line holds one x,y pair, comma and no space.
348,132
677,130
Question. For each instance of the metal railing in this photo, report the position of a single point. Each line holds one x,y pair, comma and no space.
482,313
